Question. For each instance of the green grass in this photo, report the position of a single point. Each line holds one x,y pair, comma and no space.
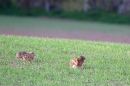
29,23
106,64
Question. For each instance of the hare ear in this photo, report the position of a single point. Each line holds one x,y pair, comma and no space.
30,52
79,58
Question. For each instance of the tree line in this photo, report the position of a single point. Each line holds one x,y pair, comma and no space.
118,6
111,11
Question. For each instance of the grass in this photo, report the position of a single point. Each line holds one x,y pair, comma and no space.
106,64
29,23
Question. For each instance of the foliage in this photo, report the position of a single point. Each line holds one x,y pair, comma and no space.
100,10
5,3
91,15
106,63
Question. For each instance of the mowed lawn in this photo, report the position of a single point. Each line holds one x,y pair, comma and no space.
106,64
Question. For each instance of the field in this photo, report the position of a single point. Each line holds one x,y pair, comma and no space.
106,64
57,28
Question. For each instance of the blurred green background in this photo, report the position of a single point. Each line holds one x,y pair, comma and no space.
98,20
111,11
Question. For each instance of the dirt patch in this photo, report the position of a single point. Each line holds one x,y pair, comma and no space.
72,34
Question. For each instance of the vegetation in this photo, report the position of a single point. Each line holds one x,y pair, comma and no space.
118,6
91,15
90,10
106,64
